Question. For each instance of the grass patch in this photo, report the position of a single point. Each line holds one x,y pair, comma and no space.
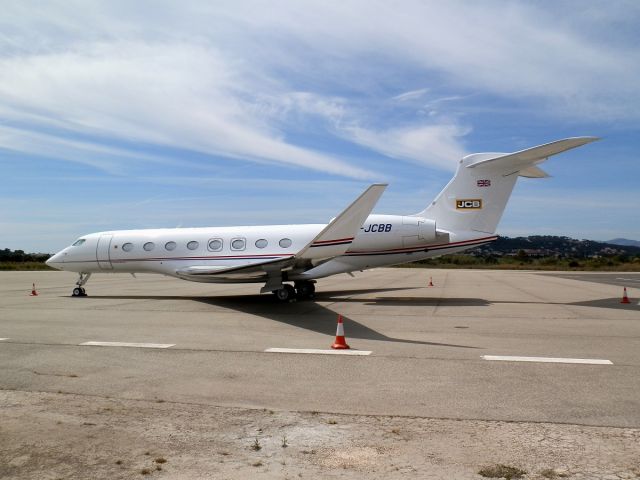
501,471
255,446
24,266
551,473
257,464
604,264
145,471
161,460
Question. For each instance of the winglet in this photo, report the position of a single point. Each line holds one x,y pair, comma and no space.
336,237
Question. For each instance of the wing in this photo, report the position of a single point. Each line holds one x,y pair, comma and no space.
331,242
336,237
250,271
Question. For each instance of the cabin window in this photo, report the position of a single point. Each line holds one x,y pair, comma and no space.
285,243
127,247
215,244
192,245
79,242
149,246
261,243
170,246
238,244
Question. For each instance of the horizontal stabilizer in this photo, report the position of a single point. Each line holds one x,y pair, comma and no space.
514,162
533,172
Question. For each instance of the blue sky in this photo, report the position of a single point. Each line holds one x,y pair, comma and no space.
122,114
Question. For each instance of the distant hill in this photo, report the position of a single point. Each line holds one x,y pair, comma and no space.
624,242
546,245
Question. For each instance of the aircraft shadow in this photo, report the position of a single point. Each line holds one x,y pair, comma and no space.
597,303
311,315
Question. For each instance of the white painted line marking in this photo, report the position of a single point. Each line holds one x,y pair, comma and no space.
589,361
628,279
125,344
317,351
1,339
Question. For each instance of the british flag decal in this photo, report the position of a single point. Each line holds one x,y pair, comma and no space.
483,183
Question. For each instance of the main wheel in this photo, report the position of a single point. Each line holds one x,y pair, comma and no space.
286,293
77,292
305,289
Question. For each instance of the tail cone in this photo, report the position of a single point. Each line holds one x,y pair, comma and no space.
340,343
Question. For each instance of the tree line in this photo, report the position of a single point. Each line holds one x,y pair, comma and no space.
19,256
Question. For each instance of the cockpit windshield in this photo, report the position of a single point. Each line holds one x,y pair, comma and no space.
78,242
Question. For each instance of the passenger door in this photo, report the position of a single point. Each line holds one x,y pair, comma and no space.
102,252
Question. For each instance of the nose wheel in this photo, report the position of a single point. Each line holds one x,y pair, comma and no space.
79,290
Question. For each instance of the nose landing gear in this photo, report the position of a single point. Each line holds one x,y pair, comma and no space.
79,290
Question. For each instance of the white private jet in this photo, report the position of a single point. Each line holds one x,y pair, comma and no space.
464,215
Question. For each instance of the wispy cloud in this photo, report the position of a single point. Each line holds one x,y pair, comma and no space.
411,95
435,145
195,76
185,96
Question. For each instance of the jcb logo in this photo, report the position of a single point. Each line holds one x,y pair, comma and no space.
469,204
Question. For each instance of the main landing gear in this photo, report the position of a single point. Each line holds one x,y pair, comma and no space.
302,290
79,290
305,289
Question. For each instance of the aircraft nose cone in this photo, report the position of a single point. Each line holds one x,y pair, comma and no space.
54,262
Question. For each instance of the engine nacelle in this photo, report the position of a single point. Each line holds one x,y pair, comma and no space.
427,229
423,228
382,232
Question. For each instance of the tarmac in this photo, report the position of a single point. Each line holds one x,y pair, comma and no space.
451,352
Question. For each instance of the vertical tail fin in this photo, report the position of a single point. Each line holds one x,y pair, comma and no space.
477,195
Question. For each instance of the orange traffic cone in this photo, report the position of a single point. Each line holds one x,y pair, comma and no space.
340,343
625,299
33,291
430,282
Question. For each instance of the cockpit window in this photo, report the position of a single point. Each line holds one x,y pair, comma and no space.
79,242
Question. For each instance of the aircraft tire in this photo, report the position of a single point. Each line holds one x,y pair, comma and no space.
305,289
285,294
77,292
